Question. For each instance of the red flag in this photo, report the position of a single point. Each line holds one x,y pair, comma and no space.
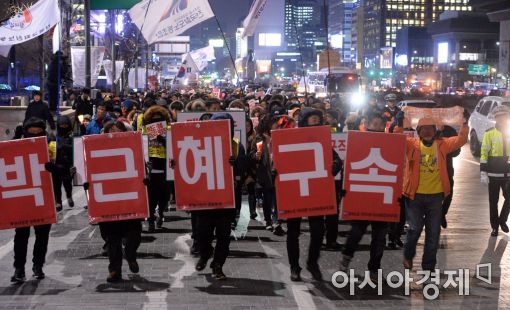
373,176
26,189
303,158
115,170
203,175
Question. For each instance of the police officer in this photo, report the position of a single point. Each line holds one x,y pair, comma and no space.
495,169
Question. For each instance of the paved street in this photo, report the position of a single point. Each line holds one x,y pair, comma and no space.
257,267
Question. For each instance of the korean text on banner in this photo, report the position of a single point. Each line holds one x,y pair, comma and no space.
304,159
115,171
453,117
26,188
373,176
162,19
251,21
339,142
203,175
30,23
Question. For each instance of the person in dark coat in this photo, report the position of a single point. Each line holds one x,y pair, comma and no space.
309,117
38,108
64,162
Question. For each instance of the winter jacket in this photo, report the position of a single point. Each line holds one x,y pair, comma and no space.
494,154
40,110
445,146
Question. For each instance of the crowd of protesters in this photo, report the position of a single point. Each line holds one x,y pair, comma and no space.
426,196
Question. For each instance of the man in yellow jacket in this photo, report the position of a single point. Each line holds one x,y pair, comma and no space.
426,184
494,167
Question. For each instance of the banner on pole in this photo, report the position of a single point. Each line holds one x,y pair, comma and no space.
304,185
115,170
203,175
162,19
251,21
30,23
119,66
373,176
26,188
78,64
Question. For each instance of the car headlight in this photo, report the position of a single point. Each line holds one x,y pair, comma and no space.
357,99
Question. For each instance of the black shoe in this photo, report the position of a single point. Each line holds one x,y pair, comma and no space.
253,216
133,267
504,227
295,274
70,202
444,224
114,277
315,271
59,207
333,246
202,262
38,272
494,232
217,272
19,276
152,228
278,230
194,248
159,222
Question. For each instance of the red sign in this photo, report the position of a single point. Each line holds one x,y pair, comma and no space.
373,176
303,158
156,129
203,175
115,170
26,189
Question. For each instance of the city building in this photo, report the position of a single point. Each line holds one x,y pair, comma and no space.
383,18
498,11
465,48
341,27
304,28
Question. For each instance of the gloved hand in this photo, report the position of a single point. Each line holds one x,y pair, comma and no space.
232,161
72,171
484,178
274,173
86,186
146,181
172,163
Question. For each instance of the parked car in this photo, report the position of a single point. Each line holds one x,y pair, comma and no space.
482,120
417,104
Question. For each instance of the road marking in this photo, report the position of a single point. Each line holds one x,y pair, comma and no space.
471,161
182,254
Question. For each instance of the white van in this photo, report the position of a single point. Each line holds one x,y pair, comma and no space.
482,120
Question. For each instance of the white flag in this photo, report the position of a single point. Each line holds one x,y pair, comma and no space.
253,18
119,65
165,19
202,56
78,64
56,39
31,23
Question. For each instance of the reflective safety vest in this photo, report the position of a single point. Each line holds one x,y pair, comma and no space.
494,154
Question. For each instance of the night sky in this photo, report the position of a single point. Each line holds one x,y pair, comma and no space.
230,12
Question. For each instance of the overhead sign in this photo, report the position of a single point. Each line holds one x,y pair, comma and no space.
112,4
474,69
